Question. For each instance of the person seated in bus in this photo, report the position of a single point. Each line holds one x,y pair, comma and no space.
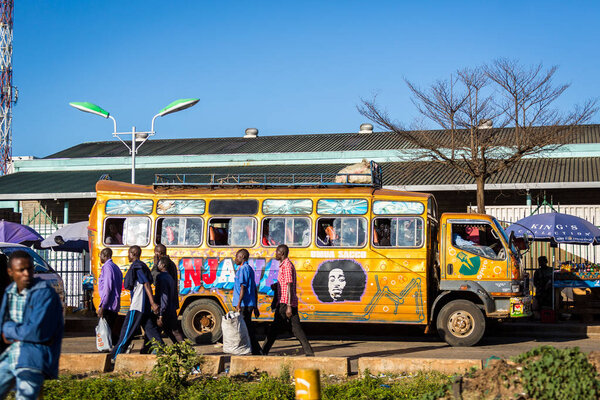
350,235
272,233
265,235
114,235
301,233
193,233
472,234
382,233
170,234
460,240
407,233
327,235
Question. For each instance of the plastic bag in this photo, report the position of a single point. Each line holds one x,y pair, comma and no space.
103,340
236,339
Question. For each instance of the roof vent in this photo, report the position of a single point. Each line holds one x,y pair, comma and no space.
366,128
485,124
251,133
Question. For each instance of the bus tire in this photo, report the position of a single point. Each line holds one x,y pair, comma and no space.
461,323
201,321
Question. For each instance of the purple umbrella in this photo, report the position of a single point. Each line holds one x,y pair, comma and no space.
11,232
557,227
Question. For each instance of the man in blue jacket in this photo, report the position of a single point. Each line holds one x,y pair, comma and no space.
31,324
245,296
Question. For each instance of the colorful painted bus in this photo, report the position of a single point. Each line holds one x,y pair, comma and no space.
362,253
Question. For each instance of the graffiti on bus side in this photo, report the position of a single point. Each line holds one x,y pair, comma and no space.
214,273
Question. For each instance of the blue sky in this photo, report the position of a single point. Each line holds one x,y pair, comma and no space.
282,67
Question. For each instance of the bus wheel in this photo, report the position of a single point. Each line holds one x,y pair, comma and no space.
461,323
201,321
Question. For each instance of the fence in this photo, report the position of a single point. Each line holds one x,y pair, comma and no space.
70,266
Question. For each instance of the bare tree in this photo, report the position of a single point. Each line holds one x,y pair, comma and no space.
504,94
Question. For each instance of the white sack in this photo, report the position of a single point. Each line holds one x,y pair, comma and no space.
236,339
362,168
103,340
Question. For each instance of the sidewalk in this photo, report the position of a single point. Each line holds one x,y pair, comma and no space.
564,329
75,324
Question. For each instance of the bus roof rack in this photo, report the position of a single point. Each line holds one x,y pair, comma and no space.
371,179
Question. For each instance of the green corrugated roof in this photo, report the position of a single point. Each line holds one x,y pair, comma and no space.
429,174
330,142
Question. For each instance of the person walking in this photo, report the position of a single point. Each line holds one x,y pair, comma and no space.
245,296
160,251
31,324
110,283
286,313
142,307
168,301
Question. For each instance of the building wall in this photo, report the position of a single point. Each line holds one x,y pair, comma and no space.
53,210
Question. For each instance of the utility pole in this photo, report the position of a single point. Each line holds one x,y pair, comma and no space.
8,94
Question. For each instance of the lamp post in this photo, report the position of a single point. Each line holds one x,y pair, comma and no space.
136,136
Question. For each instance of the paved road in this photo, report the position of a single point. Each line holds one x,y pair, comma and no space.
379,341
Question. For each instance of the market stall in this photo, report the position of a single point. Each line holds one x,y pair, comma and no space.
575,286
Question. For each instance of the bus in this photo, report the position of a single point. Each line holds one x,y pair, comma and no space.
363,254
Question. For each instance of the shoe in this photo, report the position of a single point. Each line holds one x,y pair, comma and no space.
130,348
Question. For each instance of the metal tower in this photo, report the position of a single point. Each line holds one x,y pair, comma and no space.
7,94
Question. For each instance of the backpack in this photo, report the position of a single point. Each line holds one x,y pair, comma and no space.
129,281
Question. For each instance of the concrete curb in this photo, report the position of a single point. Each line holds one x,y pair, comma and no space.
134,363
70,363
273,365
391,365
143,364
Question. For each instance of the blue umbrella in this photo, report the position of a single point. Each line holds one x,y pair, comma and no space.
556,227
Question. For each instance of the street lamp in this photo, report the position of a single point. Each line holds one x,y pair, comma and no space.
177,105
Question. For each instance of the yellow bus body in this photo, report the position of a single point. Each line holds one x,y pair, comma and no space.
395,287
383,284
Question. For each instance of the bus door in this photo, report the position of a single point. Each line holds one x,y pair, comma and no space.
472,250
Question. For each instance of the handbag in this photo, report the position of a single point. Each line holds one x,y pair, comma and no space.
275,301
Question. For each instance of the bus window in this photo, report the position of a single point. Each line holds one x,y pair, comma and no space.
113,231
182,231
294,232
234,231
341,232
479,239
398,232
127,231
137,231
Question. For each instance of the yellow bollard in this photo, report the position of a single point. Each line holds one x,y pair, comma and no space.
308,384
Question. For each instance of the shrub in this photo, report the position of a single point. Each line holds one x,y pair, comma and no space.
394,387
73,388
551,373
175,362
